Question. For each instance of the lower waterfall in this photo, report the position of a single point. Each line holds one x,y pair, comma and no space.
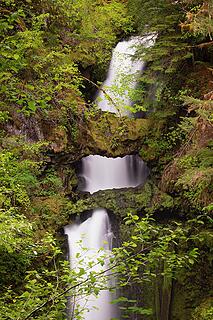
86,240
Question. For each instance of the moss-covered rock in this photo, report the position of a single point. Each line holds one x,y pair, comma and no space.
107,134
70,139
142,199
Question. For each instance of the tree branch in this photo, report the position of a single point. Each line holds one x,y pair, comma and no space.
105,93
51,299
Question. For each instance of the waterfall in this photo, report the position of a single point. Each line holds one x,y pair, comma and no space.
123,74
100,173
85,241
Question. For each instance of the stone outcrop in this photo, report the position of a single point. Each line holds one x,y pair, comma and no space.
102,133
110,135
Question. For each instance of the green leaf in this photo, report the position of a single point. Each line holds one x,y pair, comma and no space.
16,56
32,106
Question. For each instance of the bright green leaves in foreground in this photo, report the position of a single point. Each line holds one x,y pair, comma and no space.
155,255
154,244
28,252
41,287
41,283
15,178
43,46
154,252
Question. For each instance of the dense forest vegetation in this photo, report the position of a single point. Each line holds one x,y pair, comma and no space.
54,55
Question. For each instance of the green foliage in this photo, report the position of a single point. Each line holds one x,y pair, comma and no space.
169,60
15,230
51,184
3,116
24,245
162,17
47,290
42,45
161,141
38,286
155,251
203,108
199,20
156,243
15,177
204,311
136,262
131,307
196,177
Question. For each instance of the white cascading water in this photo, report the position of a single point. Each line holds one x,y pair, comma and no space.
85,241
100,173
123,74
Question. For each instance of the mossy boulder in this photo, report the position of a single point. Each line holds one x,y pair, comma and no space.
107,134
69,138
147,198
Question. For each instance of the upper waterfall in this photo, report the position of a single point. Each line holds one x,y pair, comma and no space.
123,74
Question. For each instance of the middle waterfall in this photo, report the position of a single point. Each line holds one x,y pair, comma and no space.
101,173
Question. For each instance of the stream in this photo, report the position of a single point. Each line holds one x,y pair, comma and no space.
101,173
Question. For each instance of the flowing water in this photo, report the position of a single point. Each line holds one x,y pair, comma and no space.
100,173
123,74
86,239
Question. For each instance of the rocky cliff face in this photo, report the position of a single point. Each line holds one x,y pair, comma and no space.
102,133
